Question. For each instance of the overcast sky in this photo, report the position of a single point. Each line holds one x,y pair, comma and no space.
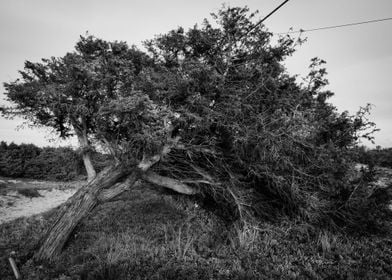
359,58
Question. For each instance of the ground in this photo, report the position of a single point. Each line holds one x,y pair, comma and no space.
22,197
148,233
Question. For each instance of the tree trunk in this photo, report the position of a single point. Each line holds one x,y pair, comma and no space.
85,146
89,166
77,207
106,185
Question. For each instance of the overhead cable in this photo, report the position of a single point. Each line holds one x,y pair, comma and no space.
267,16
335,26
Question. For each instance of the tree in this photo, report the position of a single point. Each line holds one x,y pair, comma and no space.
209,111
87,93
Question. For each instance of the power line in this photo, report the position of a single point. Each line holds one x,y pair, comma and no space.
259,22
336,26
267,16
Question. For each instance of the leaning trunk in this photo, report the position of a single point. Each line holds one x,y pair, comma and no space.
85,147
89,166
77,207
107,184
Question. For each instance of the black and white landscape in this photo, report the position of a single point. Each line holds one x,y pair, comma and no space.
183,145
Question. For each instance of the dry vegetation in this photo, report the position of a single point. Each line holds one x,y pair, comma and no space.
144,235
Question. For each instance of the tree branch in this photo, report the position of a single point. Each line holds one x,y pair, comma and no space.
148,162
118,188
168,183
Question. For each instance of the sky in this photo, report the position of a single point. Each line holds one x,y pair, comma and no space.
359,58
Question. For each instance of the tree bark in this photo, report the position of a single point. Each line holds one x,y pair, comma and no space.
119,188
89,166
169,183
81,133
77,207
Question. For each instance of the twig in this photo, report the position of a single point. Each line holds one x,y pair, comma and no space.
14,268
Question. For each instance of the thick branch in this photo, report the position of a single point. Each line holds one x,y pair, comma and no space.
169,183
85,146
118,188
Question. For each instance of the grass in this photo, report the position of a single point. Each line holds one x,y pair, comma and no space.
144,235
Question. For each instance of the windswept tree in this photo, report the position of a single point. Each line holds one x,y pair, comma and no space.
209,111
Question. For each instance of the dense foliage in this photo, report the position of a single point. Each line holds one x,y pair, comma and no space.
271,145
48,163
65,93
243,131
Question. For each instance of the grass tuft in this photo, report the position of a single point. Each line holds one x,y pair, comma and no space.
27,192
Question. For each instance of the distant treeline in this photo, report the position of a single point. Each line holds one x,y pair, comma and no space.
375,157
48,163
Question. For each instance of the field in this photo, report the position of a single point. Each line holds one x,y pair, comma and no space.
148,233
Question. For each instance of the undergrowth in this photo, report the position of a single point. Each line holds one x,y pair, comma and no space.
142,235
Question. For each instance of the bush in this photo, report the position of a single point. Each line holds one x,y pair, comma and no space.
374,157
31,193
48,163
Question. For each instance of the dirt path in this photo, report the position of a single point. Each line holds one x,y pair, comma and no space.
14,205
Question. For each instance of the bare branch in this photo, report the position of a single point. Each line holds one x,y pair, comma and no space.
203,173
169,183
148,162
196,149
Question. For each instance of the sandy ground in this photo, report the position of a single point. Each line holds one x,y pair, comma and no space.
14,205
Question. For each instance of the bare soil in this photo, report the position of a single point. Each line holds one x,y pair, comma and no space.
13,204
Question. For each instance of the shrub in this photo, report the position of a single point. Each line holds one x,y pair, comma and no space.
48,163
28,192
